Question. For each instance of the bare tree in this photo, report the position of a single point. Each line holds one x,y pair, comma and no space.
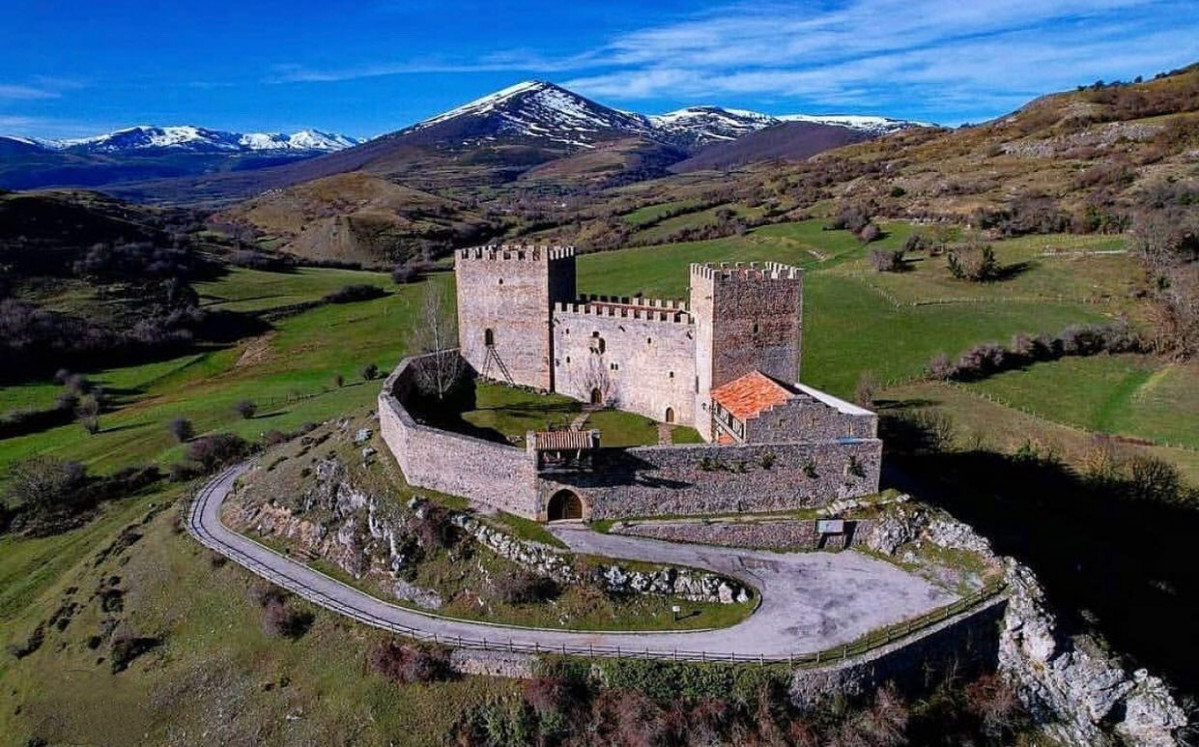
435,334
596,378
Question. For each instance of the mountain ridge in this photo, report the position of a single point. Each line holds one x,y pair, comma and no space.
193,138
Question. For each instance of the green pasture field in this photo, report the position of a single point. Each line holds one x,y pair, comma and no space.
1126,395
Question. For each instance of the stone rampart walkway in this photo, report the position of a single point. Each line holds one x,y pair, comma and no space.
810,601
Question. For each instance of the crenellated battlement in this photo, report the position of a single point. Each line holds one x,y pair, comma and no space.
745,271
652,303
517,252
675,313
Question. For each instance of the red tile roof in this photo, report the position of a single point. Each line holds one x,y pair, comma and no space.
750,395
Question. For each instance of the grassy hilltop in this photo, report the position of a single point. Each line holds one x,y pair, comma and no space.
212,648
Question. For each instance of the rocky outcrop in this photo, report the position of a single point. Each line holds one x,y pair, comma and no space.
1081,694
1078,692
686,583
337,521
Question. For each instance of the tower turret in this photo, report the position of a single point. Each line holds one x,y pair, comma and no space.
748,317
505,298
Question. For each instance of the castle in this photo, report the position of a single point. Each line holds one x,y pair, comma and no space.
726,363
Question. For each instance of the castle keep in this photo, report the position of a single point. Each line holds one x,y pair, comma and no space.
725,362
521,320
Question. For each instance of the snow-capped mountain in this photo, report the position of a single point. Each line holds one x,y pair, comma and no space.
861,123
198,140
710,124
700,125
539,110
533,109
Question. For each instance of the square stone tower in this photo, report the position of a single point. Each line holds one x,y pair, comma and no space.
748,317
505,299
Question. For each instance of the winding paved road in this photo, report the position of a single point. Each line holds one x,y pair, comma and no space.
810,601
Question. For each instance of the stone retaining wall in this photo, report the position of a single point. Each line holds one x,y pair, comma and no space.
962,646
780,534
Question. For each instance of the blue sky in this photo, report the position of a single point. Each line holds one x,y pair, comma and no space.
69,67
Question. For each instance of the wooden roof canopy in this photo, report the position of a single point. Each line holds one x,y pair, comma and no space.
565,440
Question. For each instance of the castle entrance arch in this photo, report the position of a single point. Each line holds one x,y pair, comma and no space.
565,505
670,415
597,397
489,337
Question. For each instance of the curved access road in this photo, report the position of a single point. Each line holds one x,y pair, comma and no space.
811,602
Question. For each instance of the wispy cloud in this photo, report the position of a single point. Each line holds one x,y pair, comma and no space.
870,52
25,93
516,60
975,54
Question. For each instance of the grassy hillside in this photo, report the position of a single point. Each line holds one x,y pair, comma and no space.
214,655
359,218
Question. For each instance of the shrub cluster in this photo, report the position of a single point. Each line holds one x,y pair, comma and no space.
43,494
406,663
973,261
356,292
989,358
887,260
524,587
209,453
660,703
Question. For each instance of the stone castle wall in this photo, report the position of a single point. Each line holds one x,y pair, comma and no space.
510,291
648,358
495,474
641,481
719,479
810,419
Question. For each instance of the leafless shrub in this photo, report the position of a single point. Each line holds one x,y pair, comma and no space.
181,429
279,618
524,587
866,389
973,261
886,260
406,663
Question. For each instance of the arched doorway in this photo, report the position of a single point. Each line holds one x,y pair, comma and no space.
565,505
670,415
489,337
597,397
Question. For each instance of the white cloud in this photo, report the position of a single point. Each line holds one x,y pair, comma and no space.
855,53
22,93
977,54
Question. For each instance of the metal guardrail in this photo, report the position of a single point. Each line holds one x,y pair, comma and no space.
870,642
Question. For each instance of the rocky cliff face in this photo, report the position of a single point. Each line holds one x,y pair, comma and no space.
1079,693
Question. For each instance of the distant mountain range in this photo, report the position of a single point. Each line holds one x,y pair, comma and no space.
489,140
145,138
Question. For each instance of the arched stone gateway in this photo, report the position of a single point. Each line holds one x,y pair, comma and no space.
565,505
489,337
597,397
670,415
